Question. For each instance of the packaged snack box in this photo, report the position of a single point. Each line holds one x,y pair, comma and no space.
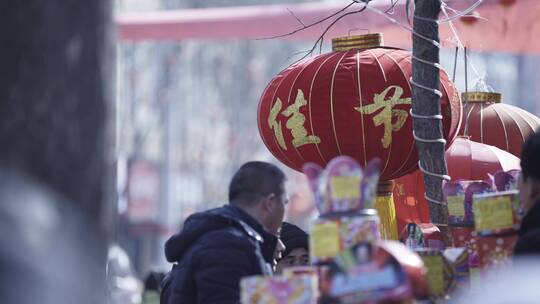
496,213
343,186
365,273
462,234
334,233
458,196
293,289
494,251
440,273
454,195
505,181
459,260
417,236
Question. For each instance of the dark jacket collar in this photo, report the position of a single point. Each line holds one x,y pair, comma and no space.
248,219
531,220
269,240
200,223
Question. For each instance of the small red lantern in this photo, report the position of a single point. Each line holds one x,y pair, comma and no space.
507,3
465,159
470,19
354,101
487,120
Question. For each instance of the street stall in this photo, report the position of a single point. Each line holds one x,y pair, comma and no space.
406,212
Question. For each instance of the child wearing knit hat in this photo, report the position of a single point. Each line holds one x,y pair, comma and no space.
296,251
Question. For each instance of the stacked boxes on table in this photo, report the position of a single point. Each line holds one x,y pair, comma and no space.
459,260
440,272
334,233
496,226
428,241
344,240
497,218
459,199
484,216
286,289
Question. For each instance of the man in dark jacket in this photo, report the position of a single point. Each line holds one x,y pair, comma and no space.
529,233
218,247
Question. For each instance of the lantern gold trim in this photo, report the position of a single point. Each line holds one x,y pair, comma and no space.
367,41
481,97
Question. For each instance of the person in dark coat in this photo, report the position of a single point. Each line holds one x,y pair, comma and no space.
529,233
296,251
218,247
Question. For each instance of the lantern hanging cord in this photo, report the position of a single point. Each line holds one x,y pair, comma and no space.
454,17
408,28
439,176
430,141
433,64
414,115
434,91
456,36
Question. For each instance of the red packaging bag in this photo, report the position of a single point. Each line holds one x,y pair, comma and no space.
494,251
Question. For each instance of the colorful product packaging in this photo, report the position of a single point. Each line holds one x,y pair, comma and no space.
332,234
474,188
494,251
505,181
365,273
417,236
295,289
458,196
440,273
496,213
462,234
459,260
343,186
454,195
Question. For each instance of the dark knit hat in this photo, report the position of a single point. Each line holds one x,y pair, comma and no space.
293,237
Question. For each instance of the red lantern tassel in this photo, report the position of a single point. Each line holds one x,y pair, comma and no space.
387,210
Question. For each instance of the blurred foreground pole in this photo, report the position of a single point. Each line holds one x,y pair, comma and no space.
55,150
426,103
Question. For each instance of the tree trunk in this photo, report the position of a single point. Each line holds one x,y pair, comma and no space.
426,103
55,93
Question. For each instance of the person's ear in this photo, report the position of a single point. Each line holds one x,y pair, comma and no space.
268,202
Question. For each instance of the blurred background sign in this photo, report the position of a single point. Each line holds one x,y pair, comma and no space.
143,191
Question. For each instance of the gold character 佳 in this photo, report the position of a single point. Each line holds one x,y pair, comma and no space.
295,123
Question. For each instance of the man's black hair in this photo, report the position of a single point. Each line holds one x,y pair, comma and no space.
530,157
255,180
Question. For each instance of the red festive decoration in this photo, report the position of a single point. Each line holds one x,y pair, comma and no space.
487,120
494,251
354,101
461,235
466,159
507,3
470,19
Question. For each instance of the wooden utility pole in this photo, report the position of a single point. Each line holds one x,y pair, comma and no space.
427,124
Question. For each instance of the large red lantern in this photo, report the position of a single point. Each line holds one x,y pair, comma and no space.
353,101
487,120
466,160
